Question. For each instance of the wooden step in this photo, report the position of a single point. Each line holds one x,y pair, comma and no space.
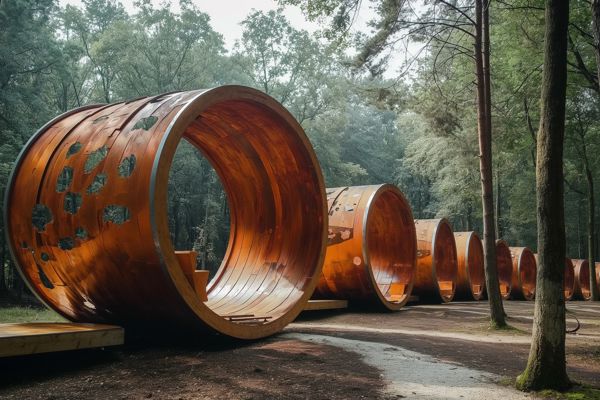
41,337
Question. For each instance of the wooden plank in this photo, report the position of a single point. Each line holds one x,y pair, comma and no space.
325,305
40,337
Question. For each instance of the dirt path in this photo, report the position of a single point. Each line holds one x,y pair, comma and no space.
418,376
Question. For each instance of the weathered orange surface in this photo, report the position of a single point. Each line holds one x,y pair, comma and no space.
471,277
372,246
524,274
437,265
582,290
504,265
105,254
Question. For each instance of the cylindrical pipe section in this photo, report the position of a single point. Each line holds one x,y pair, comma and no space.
87,215
569,282
471,277
437,264
524,274
372,247
505,267
582,280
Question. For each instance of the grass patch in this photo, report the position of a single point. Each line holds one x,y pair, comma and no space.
28,314
576,393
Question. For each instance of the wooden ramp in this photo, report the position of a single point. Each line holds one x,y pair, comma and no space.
325,305
41,337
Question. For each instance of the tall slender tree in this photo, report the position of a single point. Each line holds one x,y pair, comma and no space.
546,367
484,129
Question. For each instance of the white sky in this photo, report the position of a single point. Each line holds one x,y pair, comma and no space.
226,16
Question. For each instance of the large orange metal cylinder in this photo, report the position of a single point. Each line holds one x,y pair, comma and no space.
437,264
569,282
504,265
372,247
471,277
87,216
582,290
524,274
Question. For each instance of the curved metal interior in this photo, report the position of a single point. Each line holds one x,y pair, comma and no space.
269,254
476,272
504,266
445,261
88,224
391,246
372,247
582,280
569,282
528,274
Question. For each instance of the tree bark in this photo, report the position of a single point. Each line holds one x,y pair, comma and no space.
596,32
591,234
546,366
484,127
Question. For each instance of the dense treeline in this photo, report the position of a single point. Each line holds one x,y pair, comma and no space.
418,131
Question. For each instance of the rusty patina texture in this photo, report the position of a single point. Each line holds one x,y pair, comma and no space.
524,274
505,267
471,279
372,247
437,265
88,226
582,290
569,282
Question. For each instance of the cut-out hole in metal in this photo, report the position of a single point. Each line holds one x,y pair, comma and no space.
97,184
74,148
72,202
145,123
44,278
81,233
64,179
126,166
40,217
66,243
116,214
95,158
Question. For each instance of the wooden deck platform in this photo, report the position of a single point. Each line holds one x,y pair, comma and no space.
326,305
41,337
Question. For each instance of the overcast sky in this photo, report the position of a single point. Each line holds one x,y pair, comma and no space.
226,15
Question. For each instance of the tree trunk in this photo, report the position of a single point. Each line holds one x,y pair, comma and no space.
485,162
596,31
591,234
498,209
546,366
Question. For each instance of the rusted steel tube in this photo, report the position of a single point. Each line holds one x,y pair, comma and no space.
569,282
437,265
372,247
471,278
524,274
582,290
505,267
87,219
